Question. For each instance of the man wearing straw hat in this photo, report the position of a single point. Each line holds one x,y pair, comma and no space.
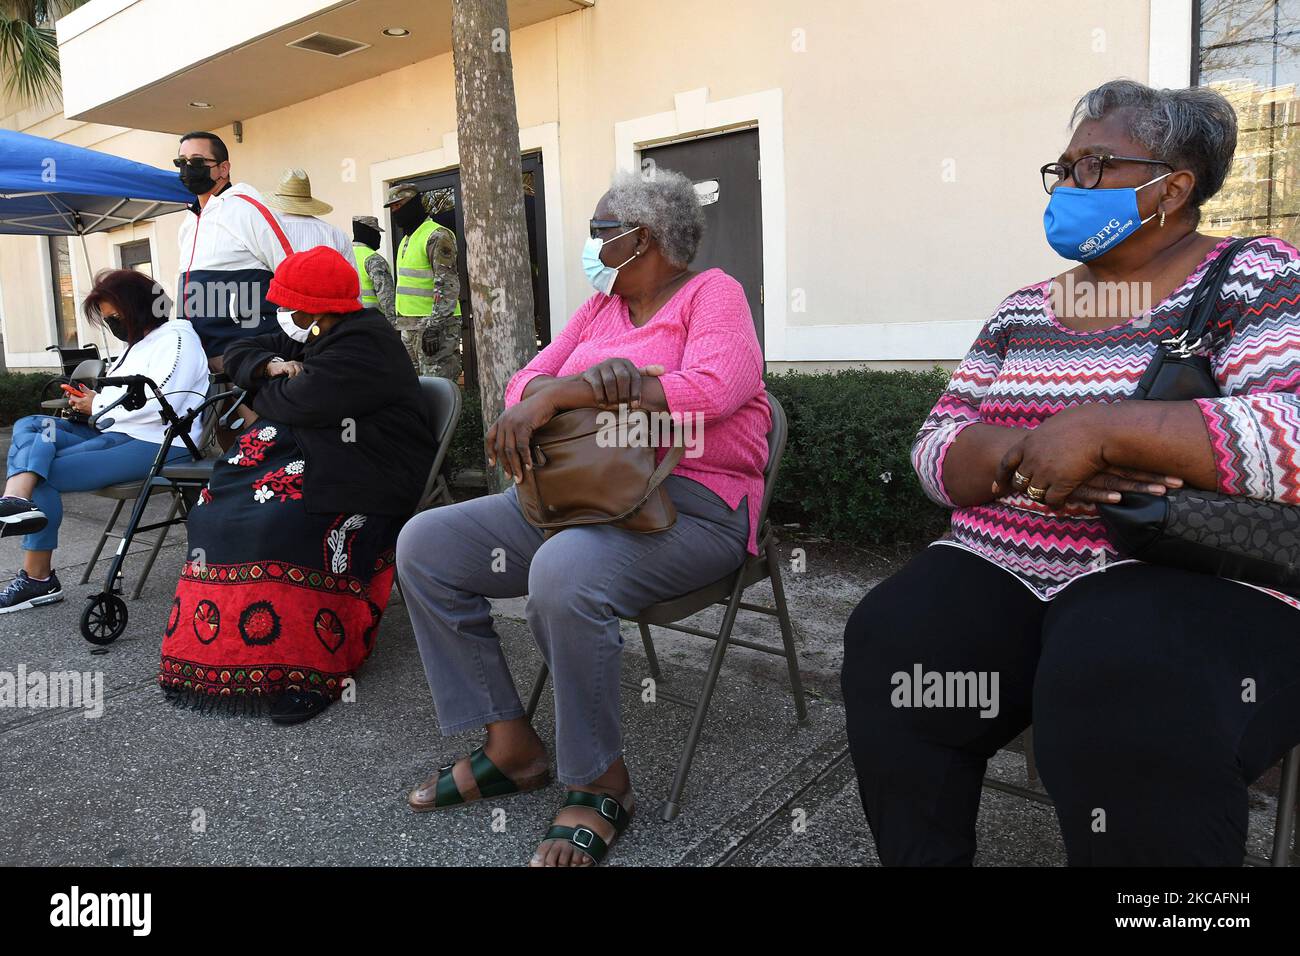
298,210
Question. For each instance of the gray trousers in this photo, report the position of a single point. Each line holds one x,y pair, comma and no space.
579,583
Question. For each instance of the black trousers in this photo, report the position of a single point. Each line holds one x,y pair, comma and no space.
1156,695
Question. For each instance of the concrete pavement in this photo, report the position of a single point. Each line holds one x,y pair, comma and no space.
146,783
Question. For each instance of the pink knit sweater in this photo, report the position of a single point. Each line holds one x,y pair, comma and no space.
704,338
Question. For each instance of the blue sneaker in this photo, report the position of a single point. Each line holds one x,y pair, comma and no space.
23,593
20,516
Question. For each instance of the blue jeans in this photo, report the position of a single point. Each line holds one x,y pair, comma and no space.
67,456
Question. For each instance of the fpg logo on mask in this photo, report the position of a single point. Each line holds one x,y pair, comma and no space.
1112,231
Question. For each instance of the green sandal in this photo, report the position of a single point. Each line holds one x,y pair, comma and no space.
584,838
491,782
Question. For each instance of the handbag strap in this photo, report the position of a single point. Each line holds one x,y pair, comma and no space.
1196,317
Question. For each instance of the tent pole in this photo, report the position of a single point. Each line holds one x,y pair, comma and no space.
90,277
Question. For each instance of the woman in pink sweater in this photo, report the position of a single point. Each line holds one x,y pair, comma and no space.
655,336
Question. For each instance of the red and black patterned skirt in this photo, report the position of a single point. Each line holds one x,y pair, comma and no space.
273,598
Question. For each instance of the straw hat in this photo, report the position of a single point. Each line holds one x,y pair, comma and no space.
293,195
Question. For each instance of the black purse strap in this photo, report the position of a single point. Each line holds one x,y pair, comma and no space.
1196,317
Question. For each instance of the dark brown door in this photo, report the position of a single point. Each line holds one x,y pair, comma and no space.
725,169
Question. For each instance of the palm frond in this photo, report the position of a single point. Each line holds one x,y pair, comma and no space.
29,60
29,51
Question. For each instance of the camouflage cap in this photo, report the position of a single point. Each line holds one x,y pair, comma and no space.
399,191
370,221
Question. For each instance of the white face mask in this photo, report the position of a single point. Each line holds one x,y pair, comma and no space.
291,328
601,276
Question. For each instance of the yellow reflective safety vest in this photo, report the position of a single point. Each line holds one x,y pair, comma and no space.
415,273
362,252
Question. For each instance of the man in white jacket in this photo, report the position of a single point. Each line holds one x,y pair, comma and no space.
230,245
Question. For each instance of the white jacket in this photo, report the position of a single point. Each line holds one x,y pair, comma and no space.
170,355
231,235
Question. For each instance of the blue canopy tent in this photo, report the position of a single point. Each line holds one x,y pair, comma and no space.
49,188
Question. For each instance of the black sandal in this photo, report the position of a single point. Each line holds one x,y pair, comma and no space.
584,838
491,782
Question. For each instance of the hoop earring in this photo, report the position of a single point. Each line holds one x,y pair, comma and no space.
1162,218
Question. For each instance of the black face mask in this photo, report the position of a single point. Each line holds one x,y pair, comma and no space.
366,235
198,181
410,215
118,328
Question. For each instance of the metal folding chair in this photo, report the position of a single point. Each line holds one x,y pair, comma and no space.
726,592
1283,824
445,401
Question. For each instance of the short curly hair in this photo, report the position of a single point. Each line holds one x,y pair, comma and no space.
1192,129
665,202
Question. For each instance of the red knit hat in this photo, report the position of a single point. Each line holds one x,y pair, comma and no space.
316,281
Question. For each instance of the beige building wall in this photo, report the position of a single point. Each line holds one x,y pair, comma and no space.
904,150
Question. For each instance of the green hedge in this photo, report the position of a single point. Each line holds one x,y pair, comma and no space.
20,394
846,474
467,443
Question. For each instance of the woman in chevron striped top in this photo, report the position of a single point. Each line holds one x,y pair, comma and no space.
1156,695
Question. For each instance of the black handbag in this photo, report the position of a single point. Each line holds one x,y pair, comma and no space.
1224,535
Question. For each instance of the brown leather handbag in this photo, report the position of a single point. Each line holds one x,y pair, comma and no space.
577,480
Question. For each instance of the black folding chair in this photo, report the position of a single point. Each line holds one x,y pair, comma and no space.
1283,824
445,401
726,592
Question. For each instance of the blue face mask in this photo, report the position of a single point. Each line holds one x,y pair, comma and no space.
600,275
1081,224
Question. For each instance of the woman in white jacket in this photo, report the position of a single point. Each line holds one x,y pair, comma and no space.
52,455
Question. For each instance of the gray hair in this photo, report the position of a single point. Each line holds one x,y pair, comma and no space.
1194,129
666,203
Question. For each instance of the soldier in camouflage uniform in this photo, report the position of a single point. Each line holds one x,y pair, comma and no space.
378,290
428,286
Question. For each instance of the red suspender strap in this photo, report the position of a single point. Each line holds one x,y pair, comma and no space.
270,221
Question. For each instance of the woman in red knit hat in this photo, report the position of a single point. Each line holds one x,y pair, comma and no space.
292,544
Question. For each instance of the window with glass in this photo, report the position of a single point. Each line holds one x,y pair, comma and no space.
135,255
65,305
1249,50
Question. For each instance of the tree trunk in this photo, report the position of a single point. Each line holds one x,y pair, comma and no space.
496,231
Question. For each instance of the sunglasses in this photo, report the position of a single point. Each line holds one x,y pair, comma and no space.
596,226
194,162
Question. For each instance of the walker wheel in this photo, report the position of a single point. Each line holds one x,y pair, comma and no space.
104,619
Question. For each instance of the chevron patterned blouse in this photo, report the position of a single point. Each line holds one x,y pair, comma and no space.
1025,366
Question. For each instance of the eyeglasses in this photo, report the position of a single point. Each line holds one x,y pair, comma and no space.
1086,171
194,162
597,225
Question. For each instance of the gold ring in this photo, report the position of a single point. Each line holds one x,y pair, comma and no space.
1036,494
1019,481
